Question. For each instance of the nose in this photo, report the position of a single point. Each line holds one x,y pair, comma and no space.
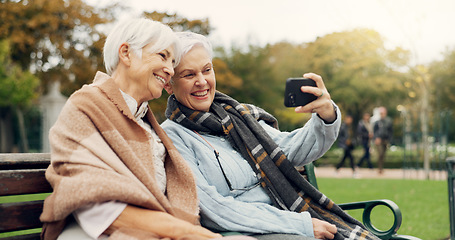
169,68
200,79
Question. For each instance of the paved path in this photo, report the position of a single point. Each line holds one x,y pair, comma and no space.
373,173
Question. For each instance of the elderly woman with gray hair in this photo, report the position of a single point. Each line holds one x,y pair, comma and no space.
113,168
244,166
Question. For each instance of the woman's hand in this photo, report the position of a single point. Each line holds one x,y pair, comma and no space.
323,105
323,229
159,223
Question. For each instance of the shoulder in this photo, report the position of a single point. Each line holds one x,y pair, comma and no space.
170,125
85,96
95,87
174,129
90,97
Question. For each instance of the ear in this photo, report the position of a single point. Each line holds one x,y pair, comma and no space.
168,88
124,54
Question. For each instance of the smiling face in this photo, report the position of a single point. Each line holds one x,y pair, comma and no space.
149,74
194,82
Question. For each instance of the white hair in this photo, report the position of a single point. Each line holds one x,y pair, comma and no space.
188,40
138,32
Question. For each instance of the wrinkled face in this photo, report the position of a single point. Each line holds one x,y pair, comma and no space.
194,82
151,73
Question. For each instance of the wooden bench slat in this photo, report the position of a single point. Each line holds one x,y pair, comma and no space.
20,215
10,161
14,182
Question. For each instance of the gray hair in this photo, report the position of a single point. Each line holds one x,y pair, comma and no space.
188,40
138,32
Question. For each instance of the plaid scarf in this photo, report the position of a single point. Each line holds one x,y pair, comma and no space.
284,184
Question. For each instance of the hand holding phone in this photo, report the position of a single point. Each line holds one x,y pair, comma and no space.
293,96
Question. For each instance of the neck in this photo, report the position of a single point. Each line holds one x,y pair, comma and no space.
122,82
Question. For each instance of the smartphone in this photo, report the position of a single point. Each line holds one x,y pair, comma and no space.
293,97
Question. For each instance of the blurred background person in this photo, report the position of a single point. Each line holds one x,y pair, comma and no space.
365,134
382,135
346,139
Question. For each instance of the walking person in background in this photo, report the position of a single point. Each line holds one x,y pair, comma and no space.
365,134
346,139
382,134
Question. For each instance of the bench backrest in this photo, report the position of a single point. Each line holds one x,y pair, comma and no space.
22,173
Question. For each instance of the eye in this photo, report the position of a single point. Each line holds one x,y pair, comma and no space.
162,55
187,75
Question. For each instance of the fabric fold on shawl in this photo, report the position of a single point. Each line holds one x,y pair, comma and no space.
284,184
100,153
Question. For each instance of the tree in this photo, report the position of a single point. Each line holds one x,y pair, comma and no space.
252,66
55,40
58,40
443,73
18,89
443,86
358,70
179,23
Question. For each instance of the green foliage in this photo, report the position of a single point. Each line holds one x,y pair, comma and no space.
443,73
443,85
18,88
57,39
253,67
358,71
423,204
179,23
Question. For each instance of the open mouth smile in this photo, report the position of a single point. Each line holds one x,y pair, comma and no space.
161,79
200,93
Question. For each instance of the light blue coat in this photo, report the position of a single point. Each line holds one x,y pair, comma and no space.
248,211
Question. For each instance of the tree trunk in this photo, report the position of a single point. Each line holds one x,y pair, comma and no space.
22,130
6,130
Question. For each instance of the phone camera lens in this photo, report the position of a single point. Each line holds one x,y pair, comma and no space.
291,99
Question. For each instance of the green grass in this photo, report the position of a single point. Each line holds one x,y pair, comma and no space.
423,204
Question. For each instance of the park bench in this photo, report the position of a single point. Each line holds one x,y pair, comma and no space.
23,173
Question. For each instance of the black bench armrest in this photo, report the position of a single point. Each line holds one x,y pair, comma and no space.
368,207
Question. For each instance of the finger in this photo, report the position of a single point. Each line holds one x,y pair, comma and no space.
303,109
205,232
328,235
317,79
312,90
309,108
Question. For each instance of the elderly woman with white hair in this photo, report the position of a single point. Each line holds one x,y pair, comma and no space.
113,169
244,166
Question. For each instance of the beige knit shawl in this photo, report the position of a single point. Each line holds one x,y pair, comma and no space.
100,153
